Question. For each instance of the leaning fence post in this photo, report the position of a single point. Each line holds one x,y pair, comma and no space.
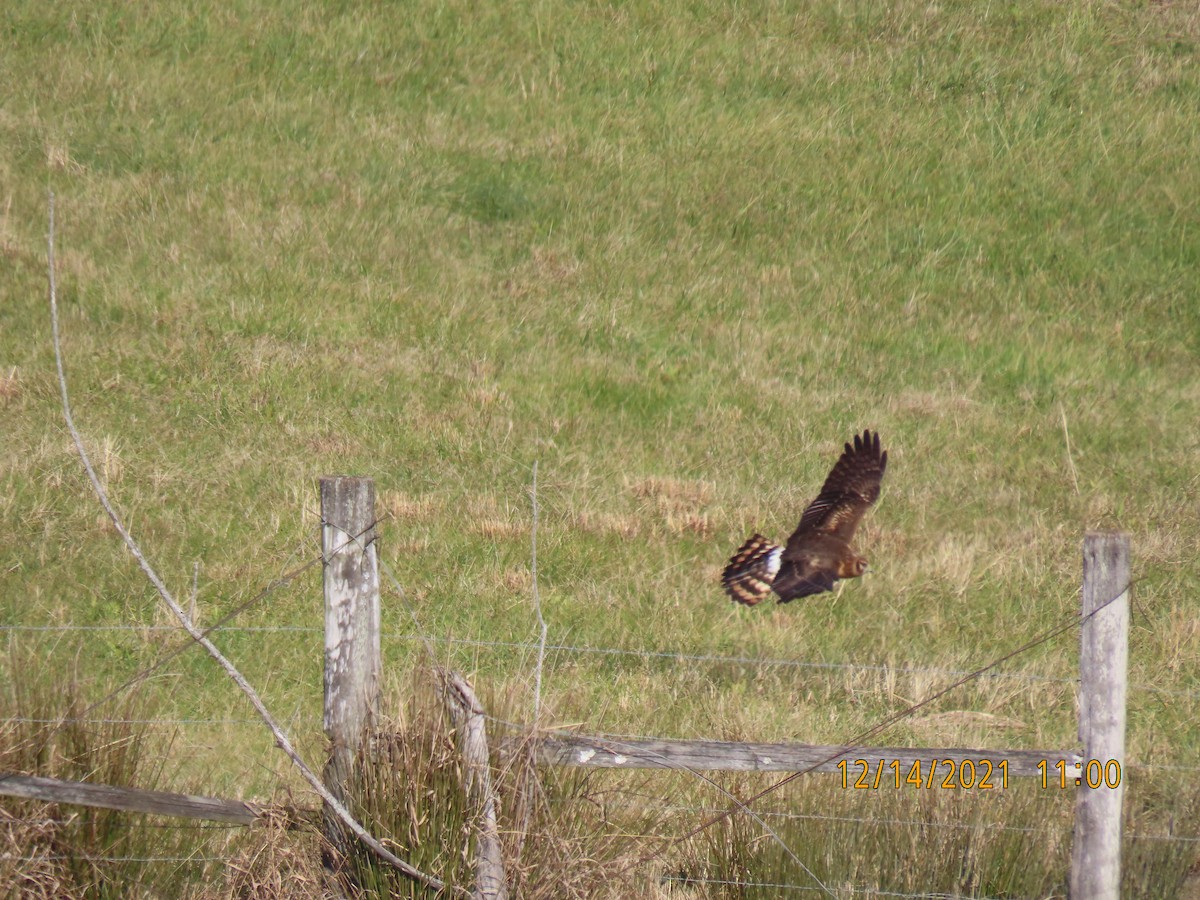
491,883
1103,663
352,655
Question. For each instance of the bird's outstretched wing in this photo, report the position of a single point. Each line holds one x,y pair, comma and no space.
849,490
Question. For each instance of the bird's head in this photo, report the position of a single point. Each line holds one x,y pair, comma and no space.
860,566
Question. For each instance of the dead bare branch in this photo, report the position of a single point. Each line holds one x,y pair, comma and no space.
281,739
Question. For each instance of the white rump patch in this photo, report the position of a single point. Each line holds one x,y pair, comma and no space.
772,561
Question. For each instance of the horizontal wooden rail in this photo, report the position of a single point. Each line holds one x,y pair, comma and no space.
162,803
743,757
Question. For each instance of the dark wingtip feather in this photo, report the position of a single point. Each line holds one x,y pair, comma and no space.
870,442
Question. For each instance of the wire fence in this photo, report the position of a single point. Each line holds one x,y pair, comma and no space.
627,652
17,631
884,821
633,653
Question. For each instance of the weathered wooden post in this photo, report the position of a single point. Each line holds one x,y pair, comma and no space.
491,883
352,654
1103,664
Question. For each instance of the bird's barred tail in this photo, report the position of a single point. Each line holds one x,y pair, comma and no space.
750,573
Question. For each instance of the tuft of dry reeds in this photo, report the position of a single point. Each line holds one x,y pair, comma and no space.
48,850
558,838
567,833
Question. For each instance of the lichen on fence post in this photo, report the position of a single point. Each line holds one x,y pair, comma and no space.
352,648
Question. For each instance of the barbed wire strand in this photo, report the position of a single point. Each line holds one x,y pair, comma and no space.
281,739
72,720
182,646
10,857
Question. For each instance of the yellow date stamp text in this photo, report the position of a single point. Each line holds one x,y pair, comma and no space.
947,773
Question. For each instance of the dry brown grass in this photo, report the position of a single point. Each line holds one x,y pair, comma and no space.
271,860
672,492
494,529
49,850
604,523
10,386
28,867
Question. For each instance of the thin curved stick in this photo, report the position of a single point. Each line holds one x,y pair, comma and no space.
281,739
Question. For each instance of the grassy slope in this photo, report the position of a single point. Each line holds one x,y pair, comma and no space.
676,253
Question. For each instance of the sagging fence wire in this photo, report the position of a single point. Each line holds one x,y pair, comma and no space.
9,857
761,815
172,825
79,720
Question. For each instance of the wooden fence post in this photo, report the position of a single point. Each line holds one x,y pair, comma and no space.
352,651
491,883
1103,663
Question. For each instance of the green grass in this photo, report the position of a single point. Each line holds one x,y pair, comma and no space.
674,252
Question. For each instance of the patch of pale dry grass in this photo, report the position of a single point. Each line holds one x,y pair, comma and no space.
1178,638
547,270
689,522
517,581
605,523
933,403
10,386
958,727
680,506
405,508
270,860
672,492
495,529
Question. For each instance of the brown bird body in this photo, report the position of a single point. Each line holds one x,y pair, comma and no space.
818,553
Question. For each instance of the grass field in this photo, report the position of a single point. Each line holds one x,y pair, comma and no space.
675,252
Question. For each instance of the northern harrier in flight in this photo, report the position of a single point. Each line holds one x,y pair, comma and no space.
818,553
